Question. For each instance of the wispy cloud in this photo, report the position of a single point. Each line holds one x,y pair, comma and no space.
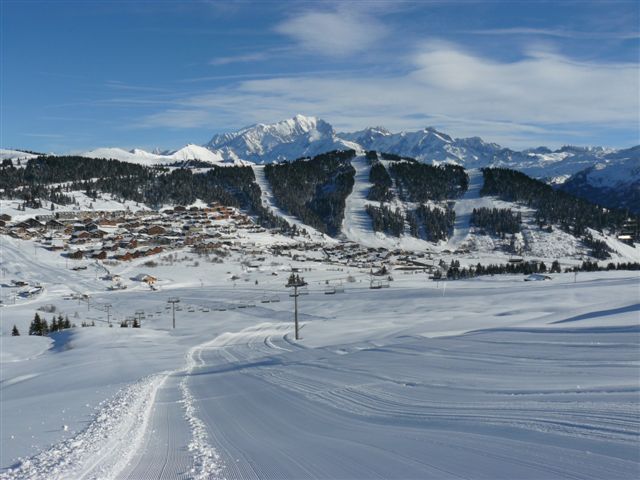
118,85
43,135
519,102
247,57
337,33
559,33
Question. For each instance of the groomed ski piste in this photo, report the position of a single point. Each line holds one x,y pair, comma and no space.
357,225
491,377
268,201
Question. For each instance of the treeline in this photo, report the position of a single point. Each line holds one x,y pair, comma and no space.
381,180
314,190
455,271
41,327
418,182
497,221
386,220
552,206
599,248
233,185
63,169
432,224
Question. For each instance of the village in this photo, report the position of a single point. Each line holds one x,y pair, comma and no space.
106,238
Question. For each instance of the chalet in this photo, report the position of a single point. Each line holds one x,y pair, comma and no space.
124,256
155,230
54,225
77,255
143,277
100,255
29,223
80,234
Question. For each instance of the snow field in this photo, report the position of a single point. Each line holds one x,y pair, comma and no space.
488,378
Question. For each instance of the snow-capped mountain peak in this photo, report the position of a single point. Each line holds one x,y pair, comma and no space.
289,139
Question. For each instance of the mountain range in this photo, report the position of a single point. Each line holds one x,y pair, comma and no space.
608,176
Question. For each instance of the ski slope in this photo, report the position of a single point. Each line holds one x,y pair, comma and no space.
464,207
268,201
357,225
486,378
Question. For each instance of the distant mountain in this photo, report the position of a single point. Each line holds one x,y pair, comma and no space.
614,183
303,136
296,137
142,157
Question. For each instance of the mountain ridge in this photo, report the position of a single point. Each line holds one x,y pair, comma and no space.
309,136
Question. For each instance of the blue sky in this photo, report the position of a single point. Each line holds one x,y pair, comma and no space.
83,74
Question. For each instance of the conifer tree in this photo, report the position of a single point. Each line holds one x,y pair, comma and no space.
15,332
35,328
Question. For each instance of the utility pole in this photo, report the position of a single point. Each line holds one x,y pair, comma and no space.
295,281
139,314
173,301
108,308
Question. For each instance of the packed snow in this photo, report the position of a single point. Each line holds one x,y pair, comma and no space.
492,377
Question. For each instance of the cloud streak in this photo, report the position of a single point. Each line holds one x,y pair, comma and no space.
333,33
518,103
558,33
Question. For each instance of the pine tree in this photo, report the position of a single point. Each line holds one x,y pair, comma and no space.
15,332
54,325
44,329
67,323
35,328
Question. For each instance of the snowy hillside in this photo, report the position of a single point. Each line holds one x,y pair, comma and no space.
485,378
615,183
303,136
142,157
15,155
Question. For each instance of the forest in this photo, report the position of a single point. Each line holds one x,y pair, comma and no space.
496,221
54,178
553,207
314,190
418,182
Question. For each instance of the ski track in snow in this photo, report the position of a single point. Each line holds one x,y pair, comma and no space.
268,201
206,461
104,448
464,206
357,225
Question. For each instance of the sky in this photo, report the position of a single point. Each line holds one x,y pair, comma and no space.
77,75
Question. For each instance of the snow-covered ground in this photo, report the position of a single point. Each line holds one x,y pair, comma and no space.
486,378
104,202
